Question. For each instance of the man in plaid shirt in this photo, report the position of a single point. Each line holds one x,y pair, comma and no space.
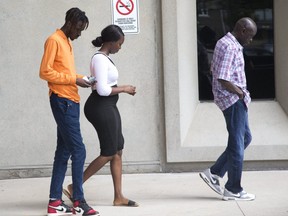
232,97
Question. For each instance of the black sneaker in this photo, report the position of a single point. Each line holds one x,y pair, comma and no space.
57,208
82,208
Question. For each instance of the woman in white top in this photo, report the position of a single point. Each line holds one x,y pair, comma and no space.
101,110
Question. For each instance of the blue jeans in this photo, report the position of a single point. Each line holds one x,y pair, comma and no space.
239,137
69,143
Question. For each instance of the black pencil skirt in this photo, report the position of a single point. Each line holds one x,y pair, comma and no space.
103,114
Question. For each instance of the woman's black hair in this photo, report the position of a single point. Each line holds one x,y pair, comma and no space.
74,15
111,33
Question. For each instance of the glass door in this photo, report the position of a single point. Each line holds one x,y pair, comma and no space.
217,17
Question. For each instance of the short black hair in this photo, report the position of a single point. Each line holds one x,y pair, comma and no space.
75,15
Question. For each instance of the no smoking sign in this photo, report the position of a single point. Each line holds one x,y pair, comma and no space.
125,14
124,8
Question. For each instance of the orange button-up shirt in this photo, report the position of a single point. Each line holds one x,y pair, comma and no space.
58,67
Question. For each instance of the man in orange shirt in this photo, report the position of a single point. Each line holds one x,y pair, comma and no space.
58,69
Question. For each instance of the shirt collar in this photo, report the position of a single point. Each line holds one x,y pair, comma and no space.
232,37
61,33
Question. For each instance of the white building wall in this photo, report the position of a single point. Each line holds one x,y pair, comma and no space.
164,130
27,127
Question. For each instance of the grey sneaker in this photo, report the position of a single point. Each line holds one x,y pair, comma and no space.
243,195
212,181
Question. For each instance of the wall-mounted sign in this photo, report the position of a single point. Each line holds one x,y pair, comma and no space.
125,13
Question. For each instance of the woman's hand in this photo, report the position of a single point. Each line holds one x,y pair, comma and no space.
129,89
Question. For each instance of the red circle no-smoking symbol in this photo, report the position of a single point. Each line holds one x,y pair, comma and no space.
124,7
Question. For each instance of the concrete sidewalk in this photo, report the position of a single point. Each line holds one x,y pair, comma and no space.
165,194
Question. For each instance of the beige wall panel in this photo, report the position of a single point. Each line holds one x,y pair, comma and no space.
281,52
196,132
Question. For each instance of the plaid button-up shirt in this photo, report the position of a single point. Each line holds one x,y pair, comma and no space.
228,64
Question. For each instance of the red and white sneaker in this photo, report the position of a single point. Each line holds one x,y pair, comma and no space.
83,209
58,207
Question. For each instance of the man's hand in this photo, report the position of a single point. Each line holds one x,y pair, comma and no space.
240,93
83,83
232,88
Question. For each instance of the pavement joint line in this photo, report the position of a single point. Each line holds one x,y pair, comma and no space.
240,208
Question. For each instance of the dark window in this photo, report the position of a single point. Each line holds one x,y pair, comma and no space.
217,17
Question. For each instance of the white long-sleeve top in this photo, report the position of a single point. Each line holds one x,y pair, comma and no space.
106,73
